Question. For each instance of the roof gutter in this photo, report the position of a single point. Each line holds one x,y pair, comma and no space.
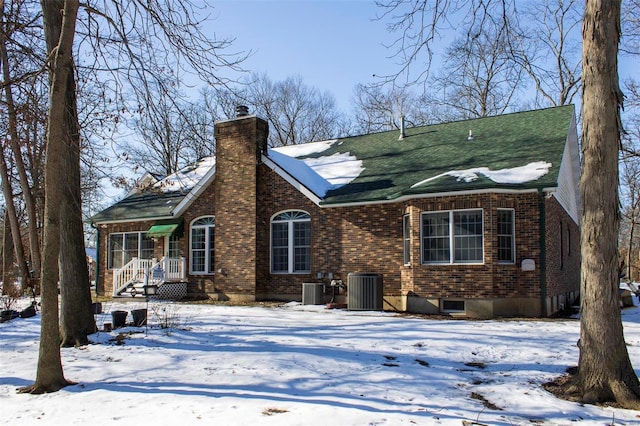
95,224
97,270
441,194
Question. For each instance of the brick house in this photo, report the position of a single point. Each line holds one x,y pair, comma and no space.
477,218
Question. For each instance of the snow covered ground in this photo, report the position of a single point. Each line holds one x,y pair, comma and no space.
304,365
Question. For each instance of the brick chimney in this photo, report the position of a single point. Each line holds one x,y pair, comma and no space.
240,143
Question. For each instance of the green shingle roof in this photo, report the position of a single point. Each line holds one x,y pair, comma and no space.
160,198
393,167
148,205
432,159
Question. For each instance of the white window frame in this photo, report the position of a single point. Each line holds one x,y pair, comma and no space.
296,216
406,239
451,237
207,224
140,236
512,235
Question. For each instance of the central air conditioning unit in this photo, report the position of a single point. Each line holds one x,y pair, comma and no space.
312,293
364,292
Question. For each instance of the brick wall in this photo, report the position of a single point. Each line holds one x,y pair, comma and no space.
199,284
343,240
491,279
369,239
246,194
563,253
239,144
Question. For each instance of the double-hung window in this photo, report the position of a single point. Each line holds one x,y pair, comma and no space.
506,239
291,243
202,248
124,246
452,237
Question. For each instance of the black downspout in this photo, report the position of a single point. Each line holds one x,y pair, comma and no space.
543,254
96,272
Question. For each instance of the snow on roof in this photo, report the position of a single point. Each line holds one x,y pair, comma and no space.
318,174
186,178
514,175
305,149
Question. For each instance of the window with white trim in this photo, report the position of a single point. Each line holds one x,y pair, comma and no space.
506,236
124,246
202,247
406,238
291,243
452,237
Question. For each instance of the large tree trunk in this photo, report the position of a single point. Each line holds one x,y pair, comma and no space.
76,319
605,373
49,376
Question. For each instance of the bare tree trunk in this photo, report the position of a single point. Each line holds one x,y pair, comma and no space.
605,373
76,319
7,250
13,219
50,376
632,228
27,194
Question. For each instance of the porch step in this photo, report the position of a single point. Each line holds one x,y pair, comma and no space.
137,287
133,289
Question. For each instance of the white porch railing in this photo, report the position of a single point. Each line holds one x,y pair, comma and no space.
166,270
174,268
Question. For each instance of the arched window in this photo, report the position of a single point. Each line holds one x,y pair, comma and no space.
202,245
291,243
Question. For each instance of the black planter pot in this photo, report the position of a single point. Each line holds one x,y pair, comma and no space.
139,317
96,308
28,312
119,318
6,315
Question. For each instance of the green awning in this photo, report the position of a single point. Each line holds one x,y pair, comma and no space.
165,229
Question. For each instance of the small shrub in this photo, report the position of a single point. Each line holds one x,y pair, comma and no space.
167,316
11,292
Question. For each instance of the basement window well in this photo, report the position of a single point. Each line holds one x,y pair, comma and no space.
453,306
